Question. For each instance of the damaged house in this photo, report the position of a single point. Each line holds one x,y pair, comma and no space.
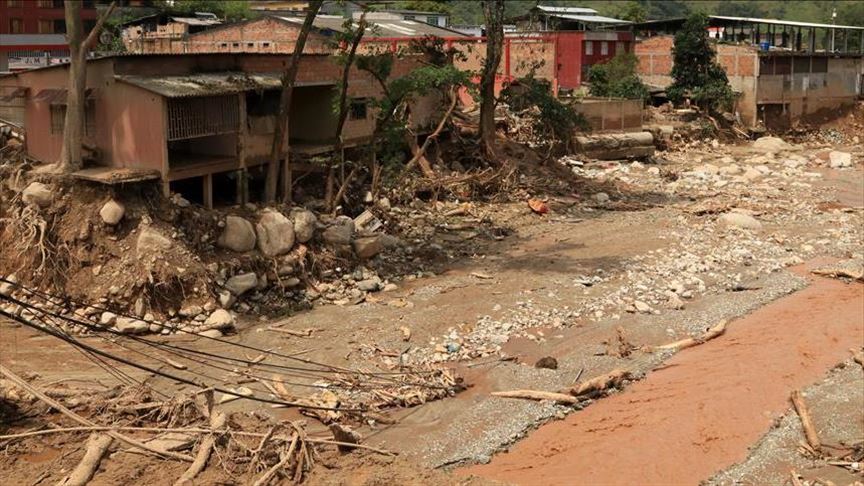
202,125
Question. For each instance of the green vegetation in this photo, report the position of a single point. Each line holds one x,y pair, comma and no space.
552,119
232,10
617,78
695,70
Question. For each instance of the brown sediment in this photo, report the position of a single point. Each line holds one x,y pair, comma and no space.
702,411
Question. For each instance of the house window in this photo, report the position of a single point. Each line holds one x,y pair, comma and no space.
589,48
359,109
265,44
58,118
619,48
60,26
46,26
604,48
16,26
46,3
432,20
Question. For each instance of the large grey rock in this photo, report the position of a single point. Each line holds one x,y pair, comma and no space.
275,233
373,284
151,241
339,233
368,246
220,319
739,220
238,235
771,144
112,212
305,223
37,193
241,283
839,160
128,325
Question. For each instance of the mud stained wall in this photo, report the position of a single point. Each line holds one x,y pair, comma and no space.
131,128
802,85
611,115
262,35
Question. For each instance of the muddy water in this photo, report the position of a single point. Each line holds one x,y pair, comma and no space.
701,411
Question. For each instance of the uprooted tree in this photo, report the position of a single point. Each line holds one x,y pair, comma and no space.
71,157
493,14
288,78
695,71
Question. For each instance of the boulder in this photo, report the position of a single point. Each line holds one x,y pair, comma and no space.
305,223
275,233
127,325
839,160
238,235
241,283
211,333
368,246
190,310
151,240
739,220
38,194
220,319
370,284
226,299
601,197
339,233
112,212
107,319
771,144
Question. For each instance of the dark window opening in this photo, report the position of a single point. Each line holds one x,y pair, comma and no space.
191,189
783,65
359,109
801,65
235,44
60,26
256,177
766,65
265,103
820,65
250,44
265,44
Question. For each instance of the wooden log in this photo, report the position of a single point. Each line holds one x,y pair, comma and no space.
600,383
796,480
97,446
537,395
217,421
806,421
712,333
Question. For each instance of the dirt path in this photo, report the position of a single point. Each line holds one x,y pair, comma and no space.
702,410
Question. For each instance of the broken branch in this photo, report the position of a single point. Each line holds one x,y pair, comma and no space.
97,446
537,395
600,383
806,420
712,333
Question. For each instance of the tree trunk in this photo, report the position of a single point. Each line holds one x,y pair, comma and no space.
339,150
288,78
493,13
71,158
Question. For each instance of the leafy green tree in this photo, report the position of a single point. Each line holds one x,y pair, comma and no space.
632,11
695,70
617,78
231,10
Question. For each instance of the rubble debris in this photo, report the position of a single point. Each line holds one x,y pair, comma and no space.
839,160
547,362
806,421
852,268
740,220
771,145
367,247
601,383
241,283
538,206
616,146
38,194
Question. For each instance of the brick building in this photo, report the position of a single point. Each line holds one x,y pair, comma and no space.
201,124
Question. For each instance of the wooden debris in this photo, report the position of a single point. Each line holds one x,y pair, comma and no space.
537,395
796,479
97,446
600,383
217,421
712,333
806,421
304,333
345,435
406,333
858,356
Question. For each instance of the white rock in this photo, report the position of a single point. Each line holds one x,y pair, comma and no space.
226,299
6,288
771,144
601,197
839,160
305,223
126,325
191,310
211,333
37,193
238,235
241,283
151,241
739,220
107,319
112,212
642,306
275,233
220,319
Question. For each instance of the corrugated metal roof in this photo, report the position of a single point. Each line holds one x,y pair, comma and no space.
384,28
196,21
566,10
209,84
591,19
58,96
786,22
8,40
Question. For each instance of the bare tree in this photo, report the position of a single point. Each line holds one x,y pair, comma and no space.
493,13
356,35
288,78
73,125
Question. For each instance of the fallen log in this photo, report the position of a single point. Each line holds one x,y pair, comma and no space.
97,446
217,421
806,421
600,383
712,333
537,395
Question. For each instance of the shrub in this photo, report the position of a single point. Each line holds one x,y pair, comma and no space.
695,70
617,78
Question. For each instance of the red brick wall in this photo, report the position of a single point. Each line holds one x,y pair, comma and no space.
655,58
